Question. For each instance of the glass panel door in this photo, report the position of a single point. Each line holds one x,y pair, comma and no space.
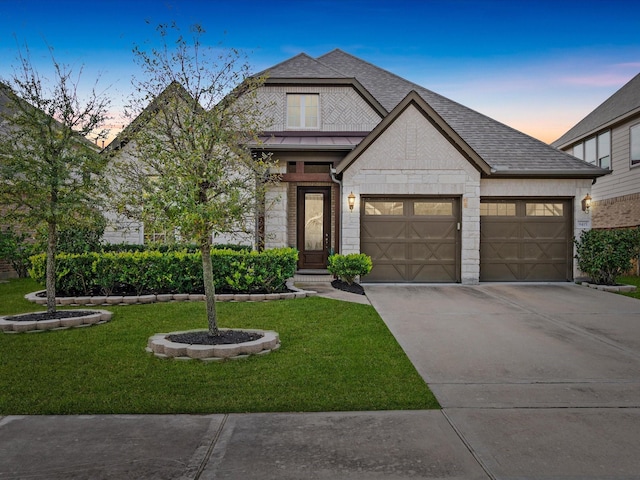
314,227
313,221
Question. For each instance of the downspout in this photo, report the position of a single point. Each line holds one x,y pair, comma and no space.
334,179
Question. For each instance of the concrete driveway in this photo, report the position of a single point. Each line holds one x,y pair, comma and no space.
540,381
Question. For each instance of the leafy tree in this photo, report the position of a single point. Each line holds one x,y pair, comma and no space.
48,169
188,166
77,235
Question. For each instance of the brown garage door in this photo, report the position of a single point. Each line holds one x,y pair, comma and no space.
411,239
525,240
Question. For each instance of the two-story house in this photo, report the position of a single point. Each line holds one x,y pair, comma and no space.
431,190
609,137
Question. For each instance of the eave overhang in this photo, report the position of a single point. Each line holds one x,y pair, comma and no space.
610,124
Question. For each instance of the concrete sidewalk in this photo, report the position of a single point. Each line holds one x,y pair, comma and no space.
350,445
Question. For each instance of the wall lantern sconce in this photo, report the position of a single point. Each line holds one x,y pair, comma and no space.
352,201
586,203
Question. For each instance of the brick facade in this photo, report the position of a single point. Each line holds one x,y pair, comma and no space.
6,271
616,212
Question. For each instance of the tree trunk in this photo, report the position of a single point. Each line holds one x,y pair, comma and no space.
51,268
209,287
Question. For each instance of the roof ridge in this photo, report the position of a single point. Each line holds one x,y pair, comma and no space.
578,130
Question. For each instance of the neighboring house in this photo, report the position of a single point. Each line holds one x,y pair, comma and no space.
431,190
610,137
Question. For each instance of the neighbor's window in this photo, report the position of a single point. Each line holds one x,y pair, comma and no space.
595,150
578,151
383,207
497,209
303,110
634,134
544,210
604,150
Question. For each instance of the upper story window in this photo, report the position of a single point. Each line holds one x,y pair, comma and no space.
634,141
303,110
596,150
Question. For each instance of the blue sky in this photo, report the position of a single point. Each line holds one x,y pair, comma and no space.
538,66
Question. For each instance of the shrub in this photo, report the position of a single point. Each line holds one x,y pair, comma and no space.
348,267
111,273
15,249
74,275
604,255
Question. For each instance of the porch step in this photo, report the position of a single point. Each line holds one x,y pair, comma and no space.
313,276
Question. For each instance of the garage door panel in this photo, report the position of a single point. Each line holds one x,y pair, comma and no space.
385,251
498,272
378,229
432,230
498,252
385,272
535,251
440,253
500,230
536,271
543,231
416,241
431,273
529,242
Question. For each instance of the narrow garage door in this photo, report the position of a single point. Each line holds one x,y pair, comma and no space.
525,240
411,239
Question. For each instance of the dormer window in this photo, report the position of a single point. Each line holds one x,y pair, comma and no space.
303,110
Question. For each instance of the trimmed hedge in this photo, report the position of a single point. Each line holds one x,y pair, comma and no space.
113,273
167,247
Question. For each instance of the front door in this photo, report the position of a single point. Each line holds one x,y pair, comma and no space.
314,226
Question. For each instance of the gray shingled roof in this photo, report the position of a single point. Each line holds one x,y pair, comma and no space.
302,66
505,149
617,106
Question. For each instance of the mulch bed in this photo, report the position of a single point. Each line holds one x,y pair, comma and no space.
345,287
57,315
225,337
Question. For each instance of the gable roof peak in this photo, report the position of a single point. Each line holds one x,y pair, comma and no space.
301,66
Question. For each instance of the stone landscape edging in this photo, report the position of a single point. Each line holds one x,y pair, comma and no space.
97,300
610,288
94,317
162,347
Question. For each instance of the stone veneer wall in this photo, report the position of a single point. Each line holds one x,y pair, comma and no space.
412,158
342,109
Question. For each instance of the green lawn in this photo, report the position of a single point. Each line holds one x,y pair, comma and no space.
632,280
335,356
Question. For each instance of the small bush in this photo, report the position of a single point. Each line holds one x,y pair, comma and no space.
138,273
15,249
348,267
604,255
